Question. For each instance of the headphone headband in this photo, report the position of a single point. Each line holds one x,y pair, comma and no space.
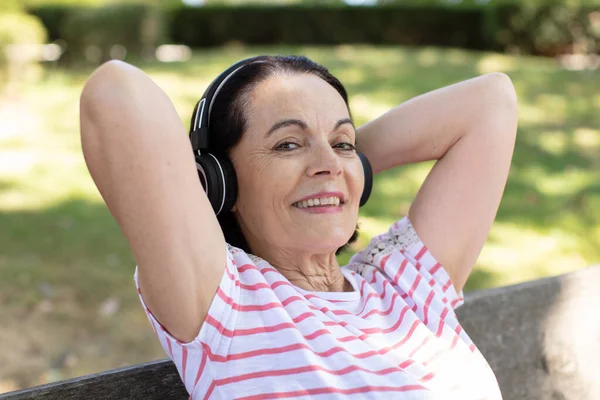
199,129
216,172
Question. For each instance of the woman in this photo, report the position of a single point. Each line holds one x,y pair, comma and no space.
271,314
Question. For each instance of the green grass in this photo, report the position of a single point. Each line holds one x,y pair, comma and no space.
63,255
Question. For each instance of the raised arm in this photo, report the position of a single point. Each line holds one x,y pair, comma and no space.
470,128
139,155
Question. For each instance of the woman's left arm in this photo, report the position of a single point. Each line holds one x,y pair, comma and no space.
470,129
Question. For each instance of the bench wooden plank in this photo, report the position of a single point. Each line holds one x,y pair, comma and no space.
541,338
154,380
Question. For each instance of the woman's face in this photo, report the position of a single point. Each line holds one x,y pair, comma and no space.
297,152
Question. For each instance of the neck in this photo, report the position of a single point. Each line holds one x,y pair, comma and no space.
312,272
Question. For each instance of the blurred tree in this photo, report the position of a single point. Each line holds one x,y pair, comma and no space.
18,32
94,2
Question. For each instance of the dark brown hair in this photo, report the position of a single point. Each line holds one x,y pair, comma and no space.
228,121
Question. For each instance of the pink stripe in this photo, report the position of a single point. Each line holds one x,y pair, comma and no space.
426,306
256,286
472,347
419,347
421,253
252,331
362,287
299,370
400,271
447,285
325,390
403,341
435,268
202,364
247,308
427,377
414,286
255,307
324,354
455,340
371,296
387,312
418,258
183,362
269,269
210,390
390,329
168,343
374,277
434,357
454,302
383,261
247,267
299,346
441,325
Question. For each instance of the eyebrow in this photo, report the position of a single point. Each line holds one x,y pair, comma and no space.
302,125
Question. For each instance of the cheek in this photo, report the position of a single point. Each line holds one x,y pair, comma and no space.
263,183
355,178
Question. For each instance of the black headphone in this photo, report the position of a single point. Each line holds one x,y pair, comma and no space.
217,174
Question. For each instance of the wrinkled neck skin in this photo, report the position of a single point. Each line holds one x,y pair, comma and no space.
312,272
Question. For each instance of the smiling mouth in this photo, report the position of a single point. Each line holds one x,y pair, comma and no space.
320,202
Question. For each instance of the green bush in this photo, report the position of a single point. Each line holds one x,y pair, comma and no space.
532,28
91,33
211,26
53,17
17,28
526,27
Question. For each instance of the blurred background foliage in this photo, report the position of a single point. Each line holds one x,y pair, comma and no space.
67,299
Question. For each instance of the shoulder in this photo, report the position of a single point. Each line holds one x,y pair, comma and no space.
240,257
406,262
401,236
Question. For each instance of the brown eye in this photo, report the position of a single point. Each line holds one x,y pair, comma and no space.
287,146
345,146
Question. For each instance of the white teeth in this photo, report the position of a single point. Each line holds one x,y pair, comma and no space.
334,201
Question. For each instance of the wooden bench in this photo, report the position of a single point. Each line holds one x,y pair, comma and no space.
542,339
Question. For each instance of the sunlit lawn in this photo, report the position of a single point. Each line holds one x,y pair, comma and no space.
67,299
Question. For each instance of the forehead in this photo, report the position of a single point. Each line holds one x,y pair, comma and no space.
303,96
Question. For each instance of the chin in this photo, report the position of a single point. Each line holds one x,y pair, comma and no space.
331,245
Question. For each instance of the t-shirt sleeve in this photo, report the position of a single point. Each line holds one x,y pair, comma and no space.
406,261
191,358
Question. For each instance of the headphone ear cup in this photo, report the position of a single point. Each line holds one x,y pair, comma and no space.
368,173
218,179
230,179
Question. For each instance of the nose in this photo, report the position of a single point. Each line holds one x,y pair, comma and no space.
324,161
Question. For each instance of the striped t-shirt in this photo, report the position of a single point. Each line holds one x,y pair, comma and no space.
396,336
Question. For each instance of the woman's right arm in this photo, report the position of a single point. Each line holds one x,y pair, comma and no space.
140,158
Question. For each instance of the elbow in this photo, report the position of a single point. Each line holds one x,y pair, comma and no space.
503,90
103,94
104,80
502,99
101,99
504,86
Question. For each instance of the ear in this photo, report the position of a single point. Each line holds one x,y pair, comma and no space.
234,208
